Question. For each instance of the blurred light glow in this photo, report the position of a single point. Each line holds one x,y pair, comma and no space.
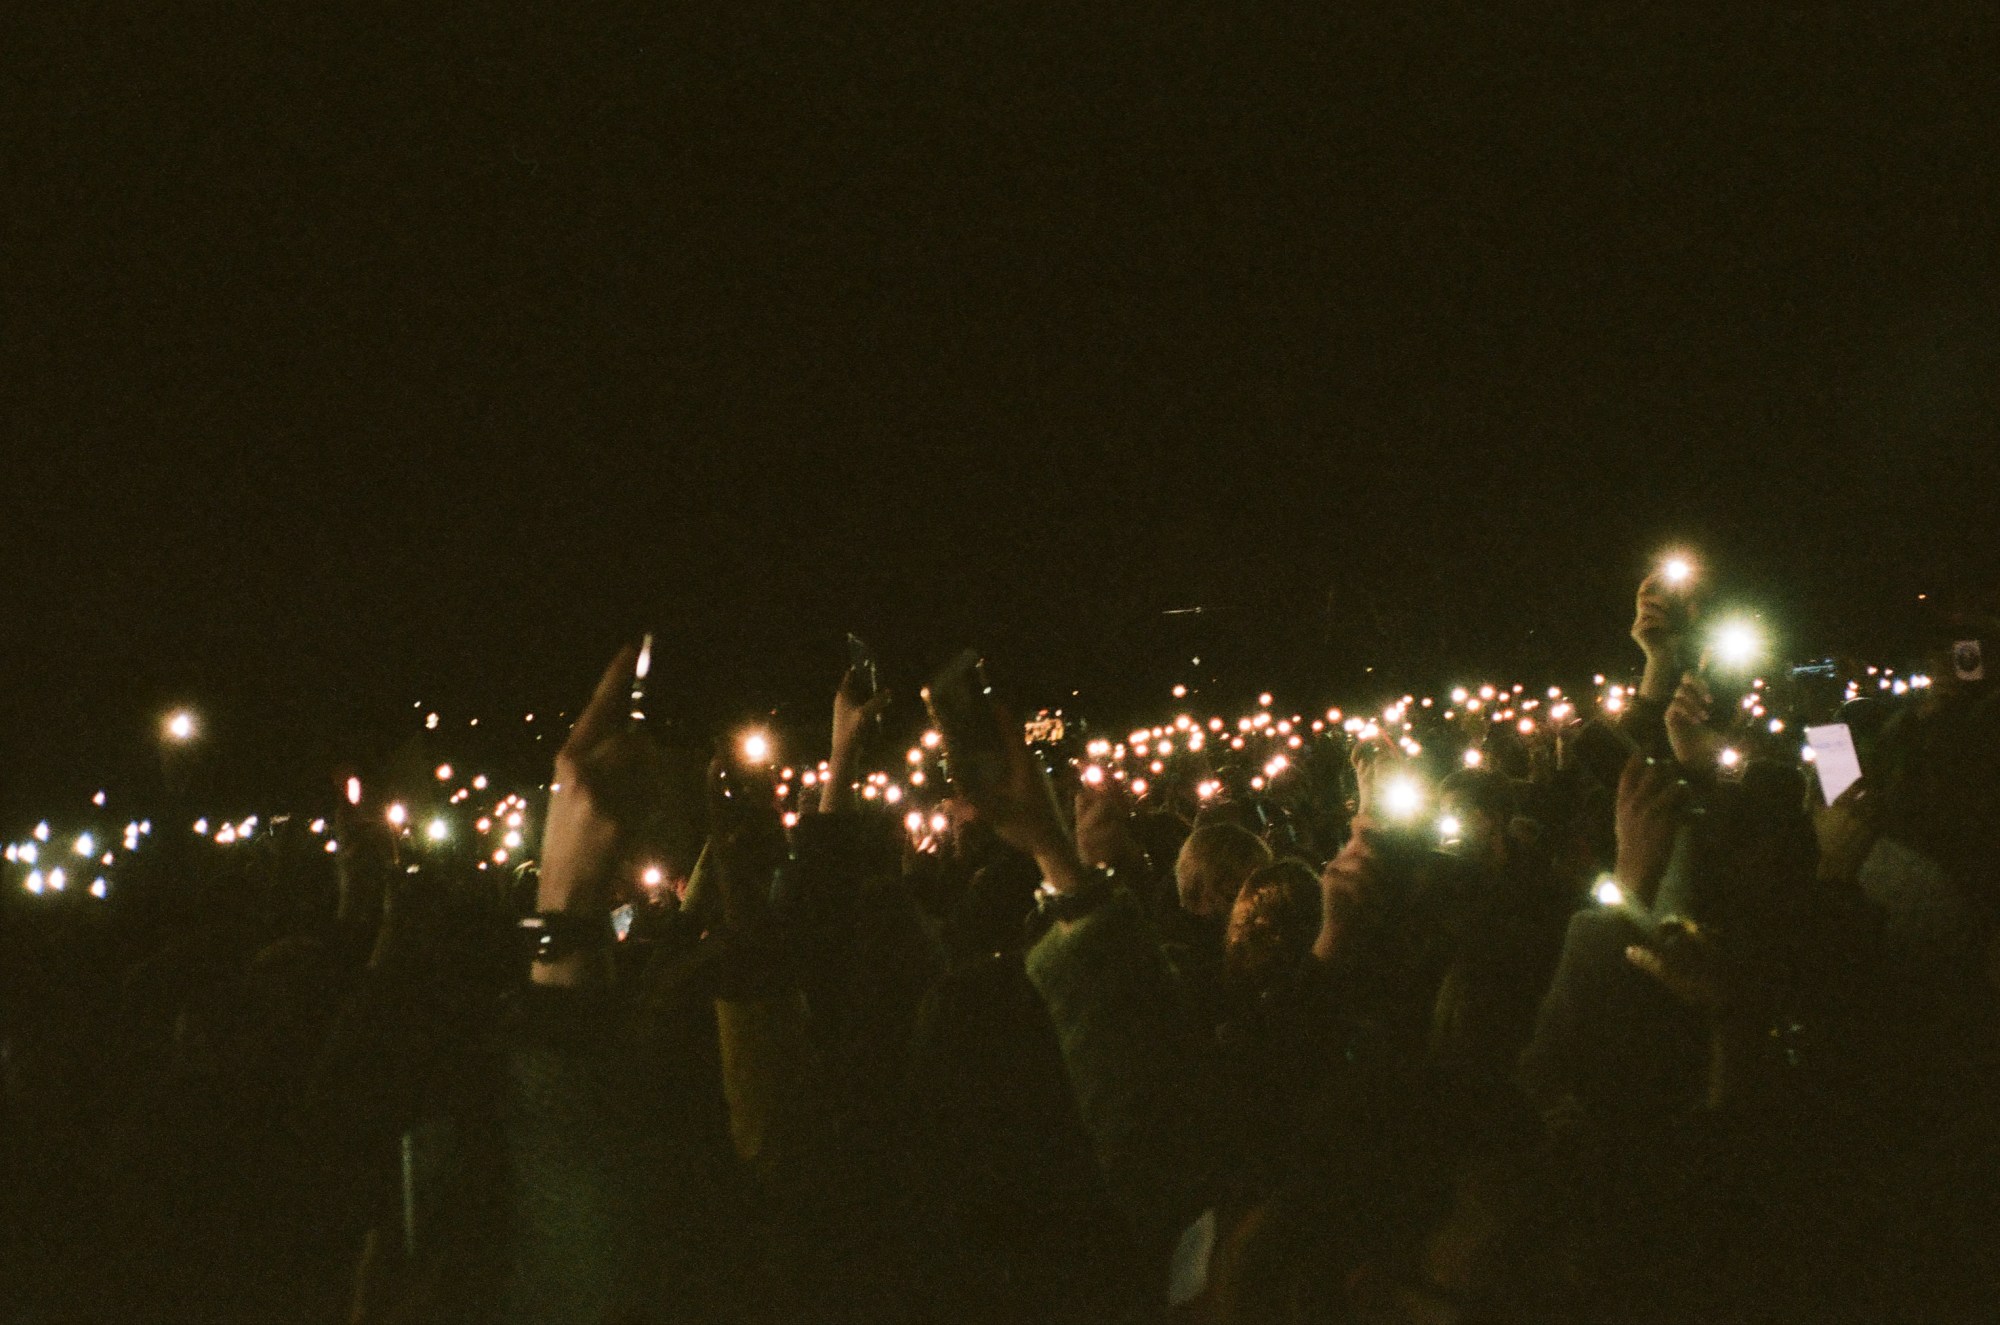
1607,892
180,726
1736,644
1402,797
437,830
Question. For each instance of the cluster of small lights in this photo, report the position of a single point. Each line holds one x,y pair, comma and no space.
1189,753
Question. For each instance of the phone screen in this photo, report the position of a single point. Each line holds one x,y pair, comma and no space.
1833,755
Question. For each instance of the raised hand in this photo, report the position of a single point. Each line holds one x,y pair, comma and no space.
607,778
1683,958
851,715
1651,798
1104,825
1695,744
1660,624
1020,807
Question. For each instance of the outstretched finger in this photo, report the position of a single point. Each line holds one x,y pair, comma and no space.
606,709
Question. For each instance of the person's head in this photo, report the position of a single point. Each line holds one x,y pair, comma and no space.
1273,922
1211,868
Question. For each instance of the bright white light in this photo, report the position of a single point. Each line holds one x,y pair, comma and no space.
1138,786
33,883
331,846
444,772
42,831
57,879
85,845
1092,775
930,740
1449,827
500,855
652,876
1729,758
1264,700
892,793
1676,571
939,822
225,835
438,830
98,799
1607,892
514,819
98,888
512,841
1736,644
914,821
1402,797
757,747
201,826
430,722
354,791
180,726
30,852
398,816
479,783
316,827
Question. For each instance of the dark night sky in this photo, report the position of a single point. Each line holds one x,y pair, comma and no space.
356,361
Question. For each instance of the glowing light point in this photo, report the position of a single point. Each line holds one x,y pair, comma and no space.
1402,797
1607,892
1676,571
444,772
1736,644
438,830
354,791
85,845
42,831
757,748
180,726
398,816
99,888
1449,827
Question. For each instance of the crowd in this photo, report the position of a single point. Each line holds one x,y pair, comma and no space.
1493,1005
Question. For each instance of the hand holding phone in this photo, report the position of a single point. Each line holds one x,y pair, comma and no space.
990,764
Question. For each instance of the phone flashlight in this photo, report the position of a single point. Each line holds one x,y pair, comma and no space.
1677,571
640,670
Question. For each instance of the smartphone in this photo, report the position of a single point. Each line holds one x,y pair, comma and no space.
636,699
960,700
1833,757
621,922
1968,660
861,665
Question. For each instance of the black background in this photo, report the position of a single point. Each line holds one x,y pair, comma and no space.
351,362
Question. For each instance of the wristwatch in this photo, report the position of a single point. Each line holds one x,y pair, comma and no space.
557,934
